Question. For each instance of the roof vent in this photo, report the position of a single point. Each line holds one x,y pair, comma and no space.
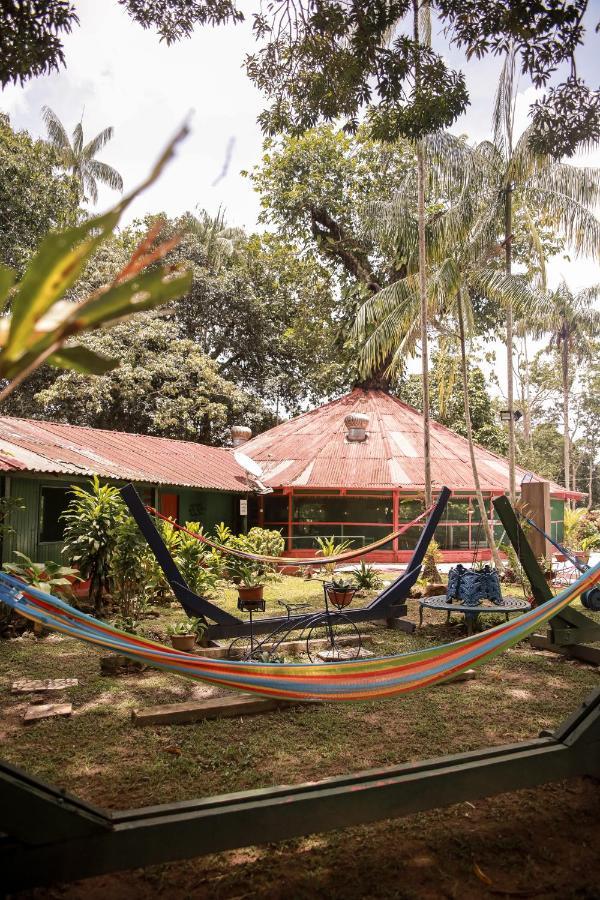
240,435
357,425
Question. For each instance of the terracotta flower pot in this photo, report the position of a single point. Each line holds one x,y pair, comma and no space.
582,555
340,599
250,595
183,642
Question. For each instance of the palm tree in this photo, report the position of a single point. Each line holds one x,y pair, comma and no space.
79,159
388,325
518,178
572,322
219,240
421,28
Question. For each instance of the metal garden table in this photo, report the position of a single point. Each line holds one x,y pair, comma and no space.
472,613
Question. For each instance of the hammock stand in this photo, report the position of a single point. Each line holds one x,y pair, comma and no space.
389,605
48,836
570,632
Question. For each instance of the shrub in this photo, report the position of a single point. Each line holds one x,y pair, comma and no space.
51,577
127,573
91,521
262,541
200,568
433,556
366,578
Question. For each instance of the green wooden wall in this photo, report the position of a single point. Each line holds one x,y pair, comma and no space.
208,507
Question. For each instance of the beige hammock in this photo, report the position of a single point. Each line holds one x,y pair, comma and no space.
288,560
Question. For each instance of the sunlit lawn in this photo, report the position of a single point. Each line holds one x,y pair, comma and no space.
100,755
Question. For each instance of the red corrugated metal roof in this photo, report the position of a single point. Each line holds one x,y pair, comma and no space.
29,445
312,451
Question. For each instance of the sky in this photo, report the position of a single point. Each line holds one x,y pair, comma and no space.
119,74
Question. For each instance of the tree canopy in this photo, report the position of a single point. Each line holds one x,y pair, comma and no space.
34,196
256,336
164,385
332,59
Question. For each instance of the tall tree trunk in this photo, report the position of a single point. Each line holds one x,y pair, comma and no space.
527,397
590,502
512,485
422,274
478,493
565,389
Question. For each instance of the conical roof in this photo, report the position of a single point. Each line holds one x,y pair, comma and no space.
313,451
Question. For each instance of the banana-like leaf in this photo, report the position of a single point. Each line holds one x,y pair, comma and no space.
58,263
7,279
141,293
82,359
53,270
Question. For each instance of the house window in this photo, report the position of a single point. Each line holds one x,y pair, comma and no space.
53,502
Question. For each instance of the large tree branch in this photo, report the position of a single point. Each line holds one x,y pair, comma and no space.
333,240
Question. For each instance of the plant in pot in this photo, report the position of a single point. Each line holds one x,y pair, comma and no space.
546,567
185,632
250,584
340,592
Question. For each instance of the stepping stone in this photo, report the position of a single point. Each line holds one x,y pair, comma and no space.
334,655
47,711
467,675
24,686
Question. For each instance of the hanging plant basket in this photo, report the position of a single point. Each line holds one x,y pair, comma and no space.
340,597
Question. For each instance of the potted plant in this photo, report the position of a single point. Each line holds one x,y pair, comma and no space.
250,584
184,633
546,567
340,592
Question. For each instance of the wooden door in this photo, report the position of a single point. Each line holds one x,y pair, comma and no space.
168,505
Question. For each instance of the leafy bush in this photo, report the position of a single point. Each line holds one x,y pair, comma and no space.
91,522
201,569
51,577
262,541
128,581
588,531
433,556
574,523
366,578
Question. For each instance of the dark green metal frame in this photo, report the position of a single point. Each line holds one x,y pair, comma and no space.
50,836
570,632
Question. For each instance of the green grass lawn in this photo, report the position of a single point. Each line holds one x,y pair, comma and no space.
99,755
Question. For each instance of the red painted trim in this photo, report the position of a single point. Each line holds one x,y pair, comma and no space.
395,519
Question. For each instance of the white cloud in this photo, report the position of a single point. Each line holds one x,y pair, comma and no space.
118,74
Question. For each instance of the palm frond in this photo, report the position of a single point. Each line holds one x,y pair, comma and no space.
504,106
573,219
104,173
90,188
579,183
509,290
57,135
77,139
96,144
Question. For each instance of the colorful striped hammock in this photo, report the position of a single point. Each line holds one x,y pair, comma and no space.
357,679
292,561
